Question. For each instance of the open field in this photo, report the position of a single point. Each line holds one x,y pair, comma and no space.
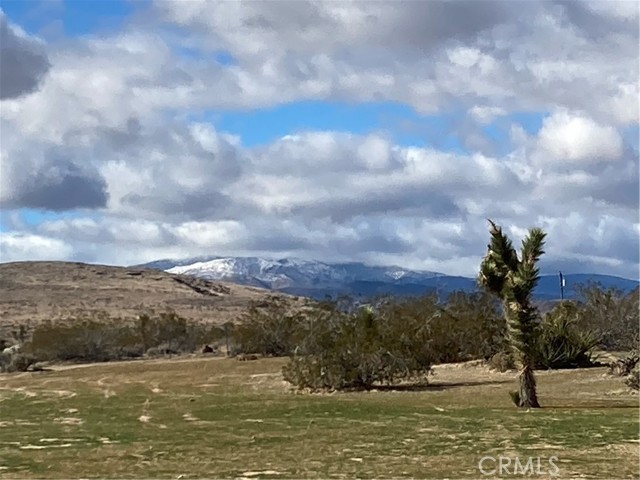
35,291
209,417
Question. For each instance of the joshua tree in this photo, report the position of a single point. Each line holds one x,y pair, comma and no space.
513,279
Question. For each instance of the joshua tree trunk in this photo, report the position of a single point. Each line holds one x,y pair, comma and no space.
527,397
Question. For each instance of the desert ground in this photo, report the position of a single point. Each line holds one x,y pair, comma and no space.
36,291
219,417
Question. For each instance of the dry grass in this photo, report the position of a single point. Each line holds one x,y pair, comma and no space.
224,418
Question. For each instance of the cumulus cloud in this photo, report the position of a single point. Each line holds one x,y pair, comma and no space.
254,28
17,246
119,124
23,58
578,139
427,54
48,177
485,114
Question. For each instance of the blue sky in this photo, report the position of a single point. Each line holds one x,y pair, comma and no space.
354,138
75,17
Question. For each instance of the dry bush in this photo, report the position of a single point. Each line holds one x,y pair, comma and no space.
613,314
502,362
633,379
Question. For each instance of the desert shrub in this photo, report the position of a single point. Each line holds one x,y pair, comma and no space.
104,338
173,333
633,379
469,326
271,327
502,362
477,323
394,339
562,342
358,350
87,340
613,314
624,366
629,368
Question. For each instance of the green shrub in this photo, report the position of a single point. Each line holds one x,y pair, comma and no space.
173,332
468,327
103,338
562,343
271,327
85,340
358,351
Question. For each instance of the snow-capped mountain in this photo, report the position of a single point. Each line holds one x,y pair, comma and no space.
318,279
288,273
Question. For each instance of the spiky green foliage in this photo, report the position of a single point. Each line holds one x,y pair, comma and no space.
562,343
513,279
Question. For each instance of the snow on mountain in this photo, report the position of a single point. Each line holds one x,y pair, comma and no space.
397,274
318,279
286,272
262,271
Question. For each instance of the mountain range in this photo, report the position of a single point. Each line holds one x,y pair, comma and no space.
318,279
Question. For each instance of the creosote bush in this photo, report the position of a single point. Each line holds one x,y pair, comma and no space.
358,350
85,339
270,327
102,338
612,314
467,327
399,339
169,333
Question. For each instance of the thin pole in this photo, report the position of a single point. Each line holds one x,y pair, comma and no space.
561,286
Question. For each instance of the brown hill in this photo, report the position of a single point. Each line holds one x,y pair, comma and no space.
34,291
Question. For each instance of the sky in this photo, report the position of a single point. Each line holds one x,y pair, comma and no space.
372,131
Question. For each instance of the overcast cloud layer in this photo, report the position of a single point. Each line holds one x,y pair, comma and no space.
109,132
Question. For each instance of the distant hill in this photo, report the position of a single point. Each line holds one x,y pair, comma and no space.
36,291
318,279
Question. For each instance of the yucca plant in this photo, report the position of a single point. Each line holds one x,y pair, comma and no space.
513,279
562,343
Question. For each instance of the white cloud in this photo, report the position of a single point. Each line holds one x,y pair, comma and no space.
486,114
112,121
18,246
578,139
